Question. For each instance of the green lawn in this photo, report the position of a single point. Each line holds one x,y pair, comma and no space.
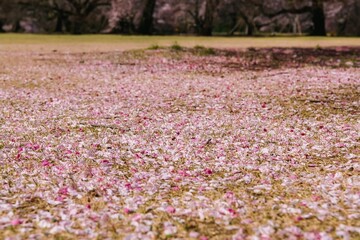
86,43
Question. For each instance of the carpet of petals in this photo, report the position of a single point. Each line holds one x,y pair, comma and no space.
154,145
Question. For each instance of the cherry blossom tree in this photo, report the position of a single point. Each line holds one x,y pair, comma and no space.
146,17
132,16
203,13
71,15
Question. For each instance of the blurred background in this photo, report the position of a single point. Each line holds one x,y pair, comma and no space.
193,17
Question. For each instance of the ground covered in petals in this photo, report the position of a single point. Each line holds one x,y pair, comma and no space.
180,143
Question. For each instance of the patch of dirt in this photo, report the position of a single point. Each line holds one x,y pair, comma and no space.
266,58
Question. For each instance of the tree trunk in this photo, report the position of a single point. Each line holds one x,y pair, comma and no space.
350,26
250,29
249,26
236,26
146,21
59,22
318,19
16,27
1,27
77,25
208,20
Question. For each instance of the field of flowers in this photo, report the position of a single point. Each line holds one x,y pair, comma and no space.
174,143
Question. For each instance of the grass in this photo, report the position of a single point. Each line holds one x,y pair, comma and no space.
154,47
176,47
101,43
204,51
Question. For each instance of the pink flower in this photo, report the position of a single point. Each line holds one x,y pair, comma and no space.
46,163
232,211
175,188
293,177
127,211
59,198
63,191
182,173
170,209
128,186
16,222
68,152
315,198
208,171
229,195
35,147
